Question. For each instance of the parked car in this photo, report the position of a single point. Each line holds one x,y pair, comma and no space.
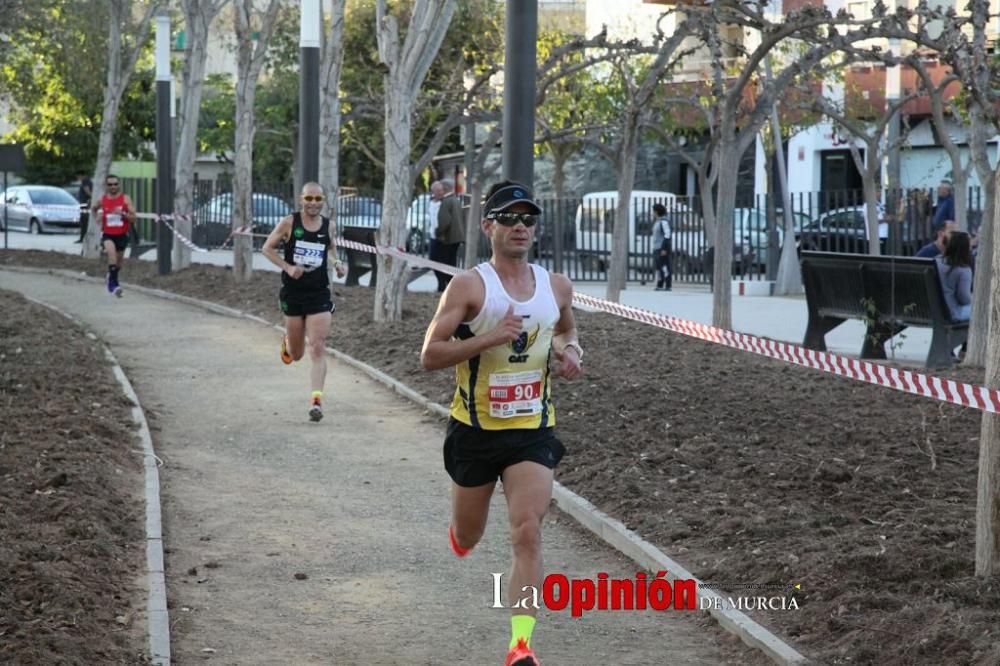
360,211
842,230
213,219
751,231
595,222
39,209
418,220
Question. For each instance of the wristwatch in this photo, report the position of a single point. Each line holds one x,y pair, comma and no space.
577,347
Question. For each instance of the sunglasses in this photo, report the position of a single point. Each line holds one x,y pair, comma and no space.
114,184
312,198
511,219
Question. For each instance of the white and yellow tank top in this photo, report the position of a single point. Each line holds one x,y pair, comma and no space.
507,387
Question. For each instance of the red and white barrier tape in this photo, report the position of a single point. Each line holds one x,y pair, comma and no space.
945,390
907,381
916,383
181,237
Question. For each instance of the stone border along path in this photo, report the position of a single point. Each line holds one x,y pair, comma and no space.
608,529
158,627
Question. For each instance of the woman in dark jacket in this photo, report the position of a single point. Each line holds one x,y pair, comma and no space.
955,272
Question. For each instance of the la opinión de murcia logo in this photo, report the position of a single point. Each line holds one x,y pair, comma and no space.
644,592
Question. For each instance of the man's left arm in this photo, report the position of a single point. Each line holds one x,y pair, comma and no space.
565,343
331,250
130,210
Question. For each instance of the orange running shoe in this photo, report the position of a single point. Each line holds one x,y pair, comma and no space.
521,655
453,542
286,358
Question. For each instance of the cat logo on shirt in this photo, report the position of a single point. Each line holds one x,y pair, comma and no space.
521,344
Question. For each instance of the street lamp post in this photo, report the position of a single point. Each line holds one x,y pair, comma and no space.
164,142
519,91
309,27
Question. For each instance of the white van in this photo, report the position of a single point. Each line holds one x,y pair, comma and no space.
595,220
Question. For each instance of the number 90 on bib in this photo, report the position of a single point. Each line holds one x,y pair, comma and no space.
515,394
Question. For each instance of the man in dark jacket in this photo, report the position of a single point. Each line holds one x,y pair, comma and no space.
945,209
450,232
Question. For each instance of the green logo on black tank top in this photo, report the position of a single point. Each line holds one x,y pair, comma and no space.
298,232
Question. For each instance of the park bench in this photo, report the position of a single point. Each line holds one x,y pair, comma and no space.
358,261
888,294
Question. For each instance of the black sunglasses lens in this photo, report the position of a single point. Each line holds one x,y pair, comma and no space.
511,219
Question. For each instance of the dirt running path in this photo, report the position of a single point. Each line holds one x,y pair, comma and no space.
256,497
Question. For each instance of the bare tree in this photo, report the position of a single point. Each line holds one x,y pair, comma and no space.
331,66
198,17
936,95
250,59
639,70
126,39
406,66
876,145
744,100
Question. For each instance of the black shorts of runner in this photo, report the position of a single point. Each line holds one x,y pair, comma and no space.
475,457
120,241
296,303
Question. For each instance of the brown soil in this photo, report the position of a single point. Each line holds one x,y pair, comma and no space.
72,546
744,469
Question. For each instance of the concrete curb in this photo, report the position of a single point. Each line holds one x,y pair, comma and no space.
158,629
608,529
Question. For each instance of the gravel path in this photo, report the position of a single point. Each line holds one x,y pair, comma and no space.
297,543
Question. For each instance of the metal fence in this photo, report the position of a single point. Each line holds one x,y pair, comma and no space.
574,234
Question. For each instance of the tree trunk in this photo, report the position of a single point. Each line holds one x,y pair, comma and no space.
406,67
329,128
988,492
871,190
395,198
789,277
979,325
960,189
722,296
620,236
197,18
250,61
472,224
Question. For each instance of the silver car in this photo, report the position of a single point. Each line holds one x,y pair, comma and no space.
39,209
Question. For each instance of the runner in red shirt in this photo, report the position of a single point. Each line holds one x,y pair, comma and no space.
117,213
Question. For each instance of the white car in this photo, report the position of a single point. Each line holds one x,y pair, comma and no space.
418,220
39,209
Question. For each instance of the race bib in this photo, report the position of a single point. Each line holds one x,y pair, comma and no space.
309,254
115,220
515,394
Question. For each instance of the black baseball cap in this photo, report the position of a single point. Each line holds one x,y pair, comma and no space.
507,196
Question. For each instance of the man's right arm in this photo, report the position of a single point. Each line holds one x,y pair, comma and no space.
270,249
441,349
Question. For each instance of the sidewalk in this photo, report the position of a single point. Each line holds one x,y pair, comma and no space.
780,318
297,543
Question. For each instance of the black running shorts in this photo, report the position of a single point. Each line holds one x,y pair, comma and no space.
296,303
475,457
120,241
